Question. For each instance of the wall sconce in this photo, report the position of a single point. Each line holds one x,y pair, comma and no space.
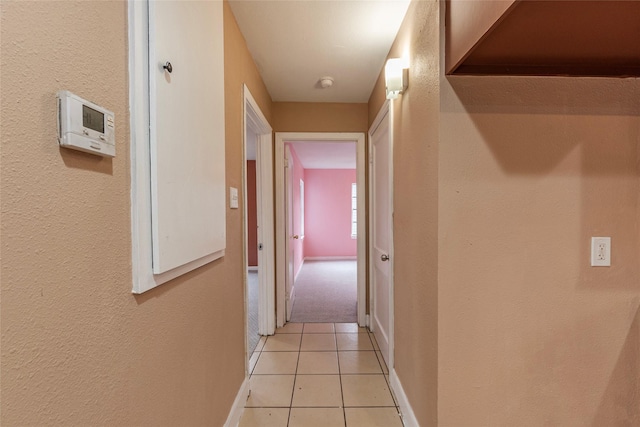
396,76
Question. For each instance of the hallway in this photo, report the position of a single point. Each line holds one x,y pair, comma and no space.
319,374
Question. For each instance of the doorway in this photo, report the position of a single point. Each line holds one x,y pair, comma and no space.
288,234
258,223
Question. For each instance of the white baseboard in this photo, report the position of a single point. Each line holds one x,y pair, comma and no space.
252,268
238,405
329,258
408,417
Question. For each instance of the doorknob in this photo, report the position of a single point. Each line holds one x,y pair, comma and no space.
167,66
295,236
384,257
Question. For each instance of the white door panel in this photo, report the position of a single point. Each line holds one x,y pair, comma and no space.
187,131
381,237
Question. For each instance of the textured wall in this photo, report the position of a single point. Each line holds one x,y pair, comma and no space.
474,19
328,213
415,131
530,334
521,173
77,348
319,117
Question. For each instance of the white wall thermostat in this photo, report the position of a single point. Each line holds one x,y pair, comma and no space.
85,126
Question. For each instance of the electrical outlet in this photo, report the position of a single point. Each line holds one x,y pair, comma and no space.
600,251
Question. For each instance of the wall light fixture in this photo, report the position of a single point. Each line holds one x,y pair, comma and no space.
396,76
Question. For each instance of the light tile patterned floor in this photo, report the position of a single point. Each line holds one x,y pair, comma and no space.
319,374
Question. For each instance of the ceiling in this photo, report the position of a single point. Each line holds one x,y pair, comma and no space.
296,42
326,155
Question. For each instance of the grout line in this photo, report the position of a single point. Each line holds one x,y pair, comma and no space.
344,413
295,376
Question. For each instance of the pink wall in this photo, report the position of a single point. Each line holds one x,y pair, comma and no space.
298,245
328,213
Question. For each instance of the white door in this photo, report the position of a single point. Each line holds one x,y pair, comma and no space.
381,237
186,90
290,277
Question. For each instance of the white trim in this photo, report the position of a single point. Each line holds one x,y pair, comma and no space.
330,258
384,110
280,139
252,268
238,405
141,244
290,290
406,411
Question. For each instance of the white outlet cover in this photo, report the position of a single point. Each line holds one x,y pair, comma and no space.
601,252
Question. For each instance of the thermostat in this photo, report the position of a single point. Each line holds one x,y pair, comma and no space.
85,126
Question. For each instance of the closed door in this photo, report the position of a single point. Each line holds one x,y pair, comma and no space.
381,239
186,90
290,277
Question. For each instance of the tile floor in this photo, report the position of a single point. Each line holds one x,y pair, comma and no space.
319,374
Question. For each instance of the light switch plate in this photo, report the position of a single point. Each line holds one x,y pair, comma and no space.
600,251
233,198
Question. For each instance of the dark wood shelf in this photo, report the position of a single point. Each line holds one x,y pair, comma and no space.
544,38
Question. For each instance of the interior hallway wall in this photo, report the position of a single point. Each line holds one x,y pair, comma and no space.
328,213
415,132
319,117
77,347
530,170
523,173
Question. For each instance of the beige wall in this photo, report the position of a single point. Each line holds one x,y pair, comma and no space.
77,347
474,21
499,185
319,117
529,333
415,132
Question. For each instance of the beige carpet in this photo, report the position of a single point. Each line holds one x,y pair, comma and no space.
326,291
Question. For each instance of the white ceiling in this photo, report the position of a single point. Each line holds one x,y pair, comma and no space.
296,42
326,155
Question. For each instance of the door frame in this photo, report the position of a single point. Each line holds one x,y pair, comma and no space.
385,110
255,120
280,139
